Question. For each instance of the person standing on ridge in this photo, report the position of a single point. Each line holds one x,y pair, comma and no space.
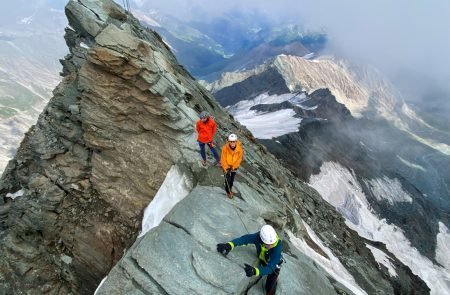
231,158
268,248
206,128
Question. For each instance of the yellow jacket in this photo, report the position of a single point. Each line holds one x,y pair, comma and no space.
231,158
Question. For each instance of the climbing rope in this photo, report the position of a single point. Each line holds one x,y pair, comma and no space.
237,212
209,176
241,219
226,181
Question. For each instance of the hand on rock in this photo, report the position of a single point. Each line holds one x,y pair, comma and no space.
249,270
224,248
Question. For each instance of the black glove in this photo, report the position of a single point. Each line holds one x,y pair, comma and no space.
249,270
224,248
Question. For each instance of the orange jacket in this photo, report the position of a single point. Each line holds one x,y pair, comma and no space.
231,158
206,130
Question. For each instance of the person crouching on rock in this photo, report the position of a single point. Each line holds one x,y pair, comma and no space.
231,158
206,128
268,247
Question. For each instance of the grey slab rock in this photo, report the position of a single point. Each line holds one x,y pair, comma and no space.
298,276
171,257
180,254
84,18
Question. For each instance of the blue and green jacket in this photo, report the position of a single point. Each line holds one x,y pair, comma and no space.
268,258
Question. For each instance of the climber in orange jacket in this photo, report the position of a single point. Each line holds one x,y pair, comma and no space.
206,128
231,158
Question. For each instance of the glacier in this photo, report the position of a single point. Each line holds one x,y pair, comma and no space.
339,187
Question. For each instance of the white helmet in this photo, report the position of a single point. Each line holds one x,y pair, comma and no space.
232,137
268,235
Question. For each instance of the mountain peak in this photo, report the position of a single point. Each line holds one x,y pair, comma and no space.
360,90
118,131
121,117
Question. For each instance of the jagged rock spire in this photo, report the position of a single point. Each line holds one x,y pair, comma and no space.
122,116
120,119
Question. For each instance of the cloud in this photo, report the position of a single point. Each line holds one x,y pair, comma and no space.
407,39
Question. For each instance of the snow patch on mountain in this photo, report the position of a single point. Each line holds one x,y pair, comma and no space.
412,165
411,114
383,259
15,195
265,98
266,125
84,45
332,265
309,55
388,189
404,126
443,246
99,285
438,146
269,125
339,187
176,186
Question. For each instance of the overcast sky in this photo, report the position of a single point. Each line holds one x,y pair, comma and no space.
407,39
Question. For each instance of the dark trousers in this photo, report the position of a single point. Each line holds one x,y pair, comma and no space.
272,282
211,147
229,178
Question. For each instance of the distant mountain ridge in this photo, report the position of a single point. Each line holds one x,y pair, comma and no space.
355,91
117,136
29,67
207,51
360,145
30,44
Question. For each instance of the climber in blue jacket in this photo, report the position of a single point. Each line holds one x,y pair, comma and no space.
268,247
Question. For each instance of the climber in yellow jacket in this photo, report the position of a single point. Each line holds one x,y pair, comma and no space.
231,158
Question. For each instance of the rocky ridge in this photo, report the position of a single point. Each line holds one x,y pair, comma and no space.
361,90
122,117
383,145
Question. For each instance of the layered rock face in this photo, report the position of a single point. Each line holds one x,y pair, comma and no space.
97,155
72,198
180,257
